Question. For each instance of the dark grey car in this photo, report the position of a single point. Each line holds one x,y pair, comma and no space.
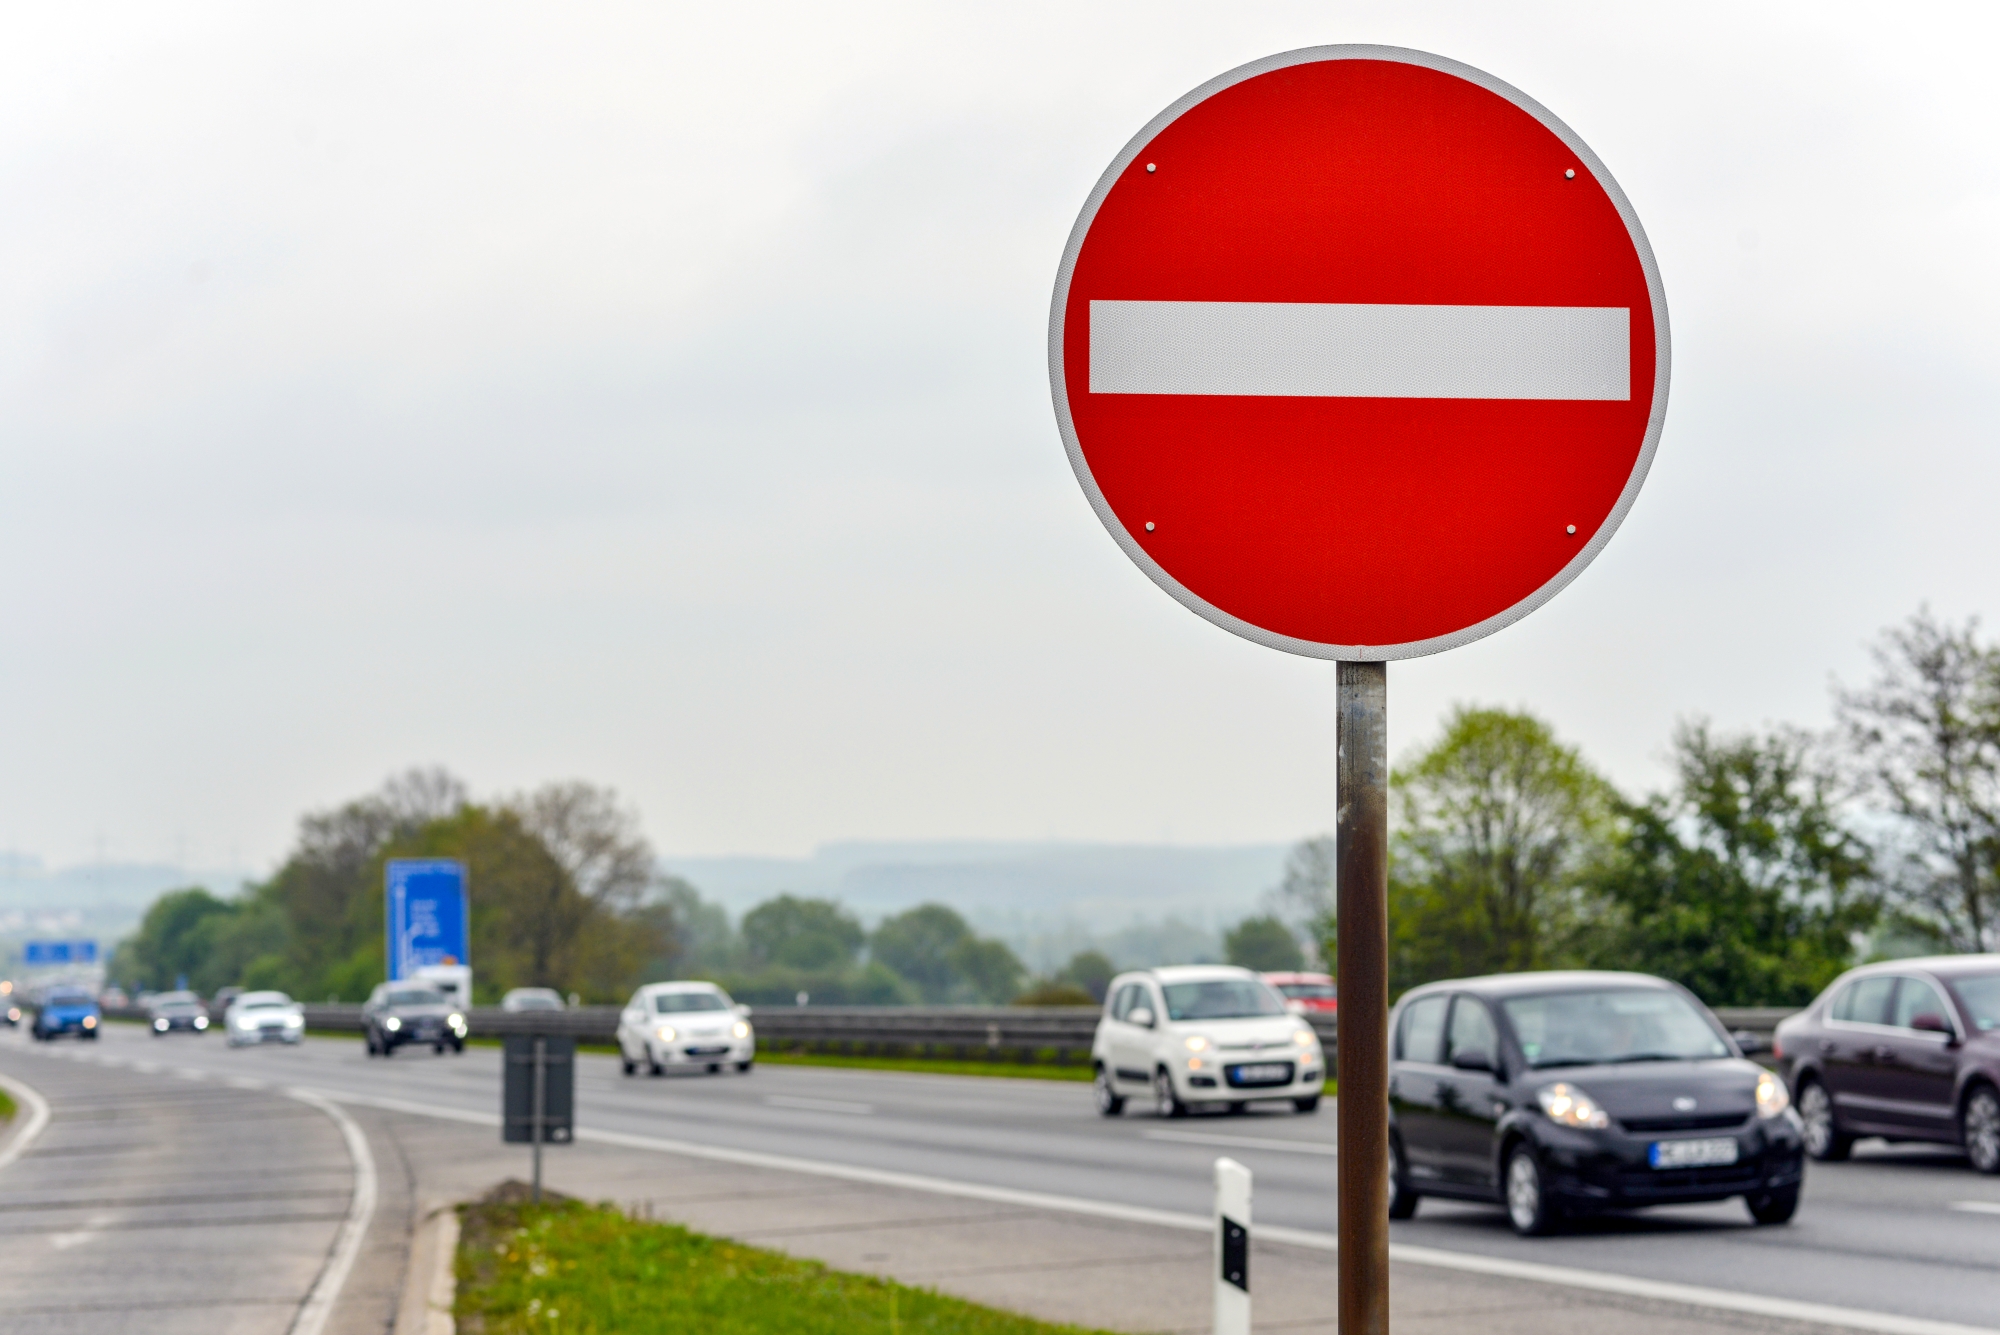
400,1013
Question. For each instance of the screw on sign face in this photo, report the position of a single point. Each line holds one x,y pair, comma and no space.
1359,352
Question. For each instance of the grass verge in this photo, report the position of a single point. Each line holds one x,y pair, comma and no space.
935,1066
7,1107
567,1266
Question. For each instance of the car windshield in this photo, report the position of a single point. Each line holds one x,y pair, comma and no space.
416,998
69,998
1221,999
1308,991
532,1002
1980,995
269,1001
1626,1024
675,1003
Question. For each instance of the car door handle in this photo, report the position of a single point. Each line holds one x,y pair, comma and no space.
1826,1045
1884,1053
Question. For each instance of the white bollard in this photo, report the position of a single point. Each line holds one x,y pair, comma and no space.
1232,1248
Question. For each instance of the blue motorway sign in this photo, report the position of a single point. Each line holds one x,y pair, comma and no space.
429,921
59,952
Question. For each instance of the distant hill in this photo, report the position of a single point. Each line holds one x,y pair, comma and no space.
102,902
1141,903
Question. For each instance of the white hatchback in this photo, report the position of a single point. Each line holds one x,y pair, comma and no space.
263,1017
1202,1033
685,1025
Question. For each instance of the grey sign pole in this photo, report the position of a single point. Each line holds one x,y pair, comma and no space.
1361,908
541,1104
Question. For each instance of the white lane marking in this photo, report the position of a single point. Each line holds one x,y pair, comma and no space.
1351,350
819,1105
1692,1295
26,1096
1977,1207
62,1242
1242,1142
318,1306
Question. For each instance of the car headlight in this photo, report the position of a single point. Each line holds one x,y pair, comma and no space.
392,1024
244,1022
200,1022
743,1029
1772,1096
90,1022
1305,1038
666,1033
295,1021
456,1021
1572,1107
160,1025
1196,1043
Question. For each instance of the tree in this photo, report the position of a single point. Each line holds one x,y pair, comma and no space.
919,944
802,933
174,940
1743,886
1926,736
1265,944
1496,825
1090,970
987,970
594,838
1306,894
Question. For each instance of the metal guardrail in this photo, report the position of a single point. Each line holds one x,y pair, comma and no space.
1054,1034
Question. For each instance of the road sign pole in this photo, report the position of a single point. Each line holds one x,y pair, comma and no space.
1362,909
535,1119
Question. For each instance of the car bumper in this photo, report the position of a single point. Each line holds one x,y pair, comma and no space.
1229,1082
265,1034
703,1052
1611,1169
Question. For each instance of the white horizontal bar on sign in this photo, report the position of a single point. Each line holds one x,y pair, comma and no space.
1355,351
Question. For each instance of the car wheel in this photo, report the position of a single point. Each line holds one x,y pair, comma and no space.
653,1066
1310,1103
1109,1101
1774,1207
1402,1201
1166,1103
1528,1207
631,1067
388,1048
1979,1129
458,1047
744,1067
1824,1140
437,1049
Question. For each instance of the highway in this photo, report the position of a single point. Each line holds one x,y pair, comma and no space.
1911,1233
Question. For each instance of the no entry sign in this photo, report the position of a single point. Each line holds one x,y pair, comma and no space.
1359,352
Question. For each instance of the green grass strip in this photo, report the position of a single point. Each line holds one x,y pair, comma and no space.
567,1266
935,1066
7,1108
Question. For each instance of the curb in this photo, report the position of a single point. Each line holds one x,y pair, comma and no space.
31,1117
430,1285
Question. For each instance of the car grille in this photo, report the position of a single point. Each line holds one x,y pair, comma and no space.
1648,1181
1685,1122
1237,1080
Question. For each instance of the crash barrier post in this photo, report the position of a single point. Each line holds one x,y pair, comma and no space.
538,1095
1232,1248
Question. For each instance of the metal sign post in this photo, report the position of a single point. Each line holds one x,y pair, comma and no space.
1361,910
538,1096
1359,353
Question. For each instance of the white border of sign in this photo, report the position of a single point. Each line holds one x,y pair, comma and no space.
1655,421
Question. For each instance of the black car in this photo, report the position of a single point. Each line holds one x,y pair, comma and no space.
1907,1050
399,1013
171,1011
1569,1093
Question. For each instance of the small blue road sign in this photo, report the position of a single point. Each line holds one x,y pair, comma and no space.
429,920
59,952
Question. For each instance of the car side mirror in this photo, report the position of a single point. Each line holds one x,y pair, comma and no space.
741,1009
1747,1042
1930,1023
1472,1059
1141,1016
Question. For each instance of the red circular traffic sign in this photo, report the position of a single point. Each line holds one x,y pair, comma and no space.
1359,352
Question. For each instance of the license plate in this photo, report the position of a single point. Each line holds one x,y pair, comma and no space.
1692,1153
1267,1074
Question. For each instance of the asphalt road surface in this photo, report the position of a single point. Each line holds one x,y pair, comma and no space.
1905,1231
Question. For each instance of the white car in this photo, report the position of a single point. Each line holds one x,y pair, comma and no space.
685,1025
1202,1033
263,1017
531,999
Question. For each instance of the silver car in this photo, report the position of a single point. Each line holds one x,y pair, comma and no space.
263,1017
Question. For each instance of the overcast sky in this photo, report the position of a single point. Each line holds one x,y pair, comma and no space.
656,395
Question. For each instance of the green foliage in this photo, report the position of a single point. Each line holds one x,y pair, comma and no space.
807,934
589,1269
1264,944
1090,970
1497,827
921,945
1743,886
1049,992
177,938
7,1108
